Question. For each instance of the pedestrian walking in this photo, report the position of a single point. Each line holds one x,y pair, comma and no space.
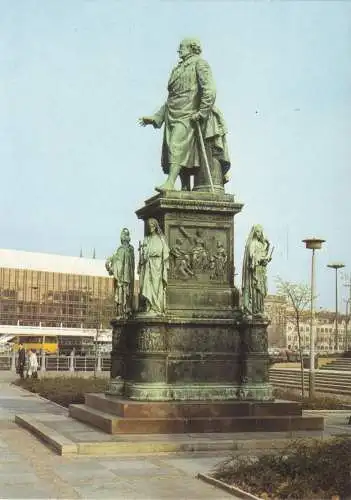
21,360
32,364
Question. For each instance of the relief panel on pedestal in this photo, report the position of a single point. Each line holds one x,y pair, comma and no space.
203,339
199,255
148,339
147,369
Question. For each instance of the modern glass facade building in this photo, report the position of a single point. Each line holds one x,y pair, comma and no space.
54,291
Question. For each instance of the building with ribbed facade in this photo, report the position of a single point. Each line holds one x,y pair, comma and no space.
47,290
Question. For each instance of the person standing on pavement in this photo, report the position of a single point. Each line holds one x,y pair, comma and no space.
32,364
21,360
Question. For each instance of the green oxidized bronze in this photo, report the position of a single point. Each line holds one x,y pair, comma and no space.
189,340
194,140
254,275
153,269
121,266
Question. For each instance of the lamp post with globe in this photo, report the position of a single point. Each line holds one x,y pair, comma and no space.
336,266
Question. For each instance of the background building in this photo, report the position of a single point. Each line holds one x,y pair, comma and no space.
325,332
276,310
53,291
282,332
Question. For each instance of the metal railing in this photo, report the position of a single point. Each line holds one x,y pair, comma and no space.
53,363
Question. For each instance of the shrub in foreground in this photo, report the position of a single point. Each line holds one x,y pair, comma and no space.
313,469
64,390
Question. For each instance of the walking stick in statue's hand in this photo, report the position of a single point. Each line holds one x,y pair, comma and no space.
203,150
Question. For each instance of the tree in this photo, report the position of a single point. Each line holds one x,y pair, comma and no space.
298,296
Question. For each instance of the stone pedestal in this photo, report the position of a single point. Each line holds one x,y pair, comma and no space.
122,416
201,226
183,359
202,366
201,349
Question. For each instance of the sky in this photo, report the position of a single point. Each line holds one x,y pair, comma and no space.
75,76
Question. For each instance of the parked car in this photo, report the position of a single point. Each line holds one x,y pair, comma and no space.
277,355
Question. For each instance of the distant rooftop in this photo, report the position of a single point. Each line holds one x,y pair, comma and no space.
18,259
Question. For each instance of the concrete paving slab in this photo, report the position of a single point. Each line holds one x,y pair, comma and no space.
14,467
136,465
8,456
21,492
28,478
146,477
160,488
193,466
76,473
108,491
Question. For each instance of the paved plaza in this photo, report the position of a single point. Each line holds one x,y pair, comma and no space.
29,469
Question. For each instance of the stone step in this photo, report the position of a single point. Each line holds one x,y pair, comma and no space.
339,362
336,368
319,376
192,409
322,380
318,388
318,372
324,375
334,383
117,425
318,383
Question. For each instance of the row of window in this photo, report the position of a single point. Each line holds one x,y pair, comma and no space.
58,323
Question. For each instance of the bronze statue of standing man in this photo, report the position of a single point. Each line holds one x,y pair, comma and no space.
194,129
121,266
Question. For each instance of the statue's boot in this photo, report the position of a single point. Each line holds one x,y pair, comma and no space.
174,170
185,180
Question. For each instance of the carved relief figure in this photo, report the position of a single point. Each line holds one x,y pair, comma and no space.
153,268
220,260
181,261
121,266
190,118
199,254
254,275
148,340
197,250
212,268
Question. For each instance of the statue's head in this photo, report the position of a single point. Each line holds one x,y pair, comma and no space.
188,47
153,226
125,236
258,229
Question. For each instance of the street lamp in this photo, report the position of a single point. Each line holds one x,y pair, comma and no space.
336,266
348,311
312,244
347,319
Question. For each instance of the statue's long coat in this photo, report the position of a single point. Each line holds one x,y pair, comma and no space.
154,271
254,274
191,89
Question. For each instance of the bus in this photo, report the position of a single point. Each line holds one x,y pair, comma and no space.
39,343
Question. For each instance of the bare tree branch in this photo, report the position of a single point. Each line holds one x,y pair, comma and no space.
298,296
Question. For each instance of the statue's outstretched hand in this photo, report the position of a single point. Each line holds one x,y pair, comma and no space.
146,120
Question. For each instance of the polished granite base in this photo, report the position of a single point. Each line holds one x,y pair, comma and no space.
115,416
